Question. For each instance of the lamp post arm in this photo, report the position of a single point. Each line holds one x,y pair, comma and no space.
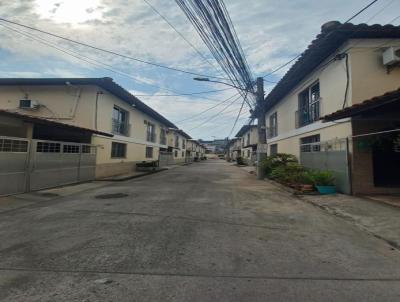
212,81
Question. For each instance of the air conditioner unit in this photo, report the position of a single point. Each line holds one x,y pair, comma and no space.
28,104
391,56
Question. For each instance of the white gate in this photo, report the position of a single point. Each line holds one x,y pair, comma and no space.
329,155
166,158
14,159
38,164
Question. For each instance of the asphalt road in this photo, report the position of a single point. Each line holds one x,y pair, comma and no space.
204,232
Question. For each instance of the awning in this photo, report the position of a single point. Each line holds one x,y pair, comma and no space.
364,107
50,123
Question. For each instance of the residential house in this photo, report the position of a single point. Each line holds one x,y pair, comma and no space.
375,159
139,132
193,150
216,146
37,153
248,135
177,144
345,65
234,148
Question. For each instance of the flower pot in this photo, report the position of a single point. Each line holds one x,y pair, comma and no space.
306,188
326,189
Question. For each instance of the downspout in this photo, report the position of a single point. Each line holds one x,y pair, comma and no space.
96,108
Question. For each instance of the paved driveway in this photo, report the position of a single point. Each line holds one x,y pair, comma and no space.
204,232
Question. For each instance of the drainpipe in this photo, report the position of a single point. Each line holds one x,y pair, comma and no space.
96,108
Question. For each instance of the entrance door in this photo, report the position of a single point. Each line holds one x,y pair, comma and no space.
386,163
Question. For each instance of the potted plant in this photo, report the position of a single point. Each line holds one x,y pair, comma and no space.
304,181
324,181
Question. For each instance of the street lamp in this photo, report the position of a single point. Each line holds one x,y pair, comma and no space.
260,112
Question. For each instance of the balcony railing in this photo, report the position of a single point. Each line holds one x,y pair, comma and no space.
119,127
163,140
151,137
307,115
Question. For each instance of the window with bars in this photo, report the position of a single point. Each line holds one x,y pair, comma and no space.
88,149
11,145
308,143
309,107
150,132
118,150
149,152
163,136
70,148
120,121
47,147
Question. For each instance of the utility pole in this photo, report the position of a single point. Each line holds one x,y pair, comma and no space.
261,128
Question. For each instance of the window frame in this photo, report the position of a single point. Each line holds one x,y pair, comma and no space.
150,132
273,149
309,105
163,136
118,155
316,138
120,125
149,154
273,124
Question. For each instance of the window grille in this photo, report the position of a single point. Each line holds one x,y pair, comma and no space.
47,147
11,145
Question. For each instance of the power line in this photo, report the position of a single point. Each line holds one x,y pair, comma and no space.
360,11
183,94
181,35
281,66
223,115
237,118
208,109
215,115
102,64
297,56
212,22
109,51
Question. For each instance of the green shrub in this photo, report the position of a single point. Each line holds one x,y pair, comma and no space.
291,172
303,178
240,161
322,178
277,160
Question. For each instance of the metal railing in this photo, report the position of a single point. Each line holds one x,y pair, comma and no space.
163,140
307,115
339,144
119,127
151,137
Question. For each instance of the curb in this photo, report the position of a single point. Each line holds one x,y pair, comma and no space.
132,176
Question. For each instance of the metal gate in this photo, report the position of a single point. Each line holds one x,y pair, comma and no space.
329,155
14,158
166,159
38,164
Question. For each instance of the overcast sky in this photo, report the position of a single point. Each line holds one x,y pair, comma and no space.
271,32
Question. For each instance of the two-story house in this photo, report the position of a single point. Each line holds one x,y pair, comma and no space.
343,66
139,132
177,144
248,143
